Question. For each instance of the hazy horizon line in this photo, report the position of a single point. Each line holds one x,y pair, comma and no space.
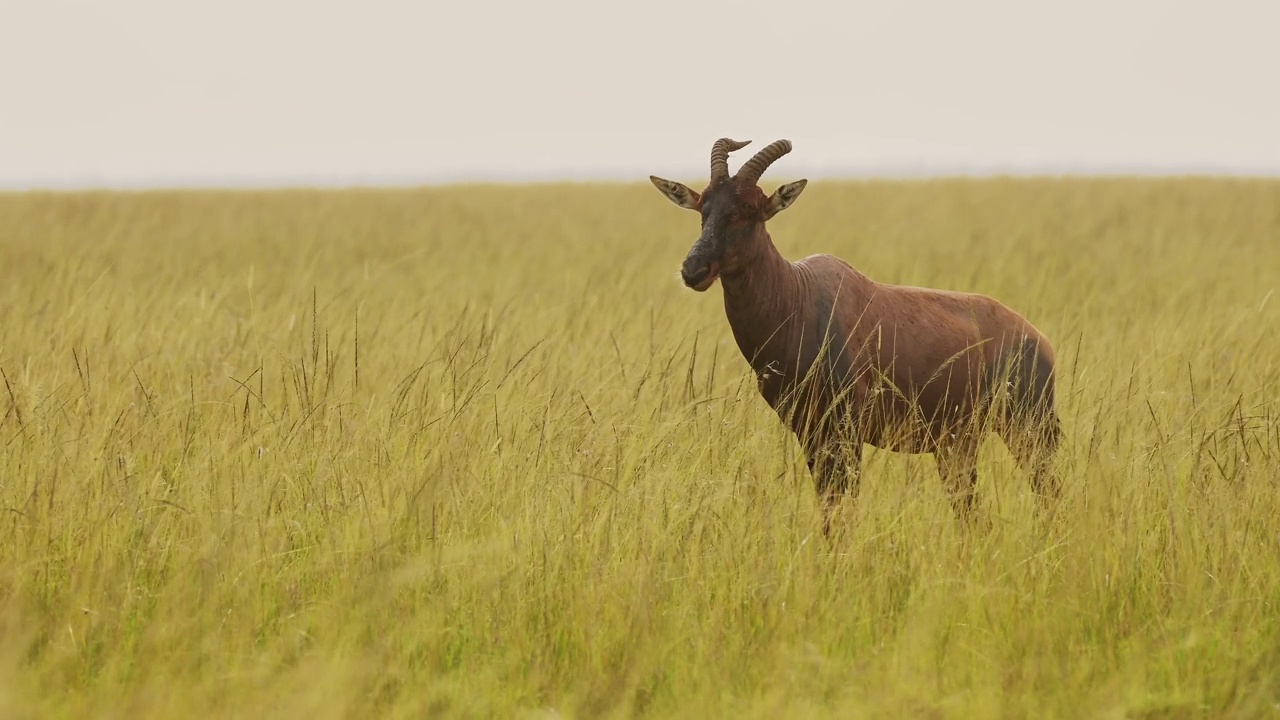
887,171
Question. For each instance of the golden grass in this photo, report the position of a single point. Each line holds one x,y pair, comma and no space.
475,452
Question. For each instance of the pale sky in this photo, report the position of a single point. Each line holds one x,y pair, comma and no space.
266,92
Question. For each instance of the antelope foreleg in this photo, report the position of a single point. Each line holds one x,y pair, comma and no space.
837,472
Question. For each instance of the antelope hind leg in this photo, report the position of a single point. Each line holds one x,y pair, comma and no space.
1034,445
958,468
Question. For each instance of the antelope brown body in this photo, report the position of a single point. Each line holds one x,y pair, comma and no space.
845,360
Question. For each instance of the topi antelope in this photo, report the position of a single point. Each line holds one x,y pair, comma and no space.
845,360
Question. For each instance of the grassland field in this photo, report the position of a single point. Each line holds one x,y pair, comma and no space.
476,452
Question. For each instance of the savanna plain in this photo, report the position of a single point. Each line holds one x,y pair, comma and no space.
475,451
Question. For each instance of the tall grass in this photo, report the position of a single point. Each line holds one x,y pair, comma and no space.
475,452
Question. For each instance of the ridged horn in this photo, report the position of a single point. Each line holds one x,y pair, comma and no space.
720,156
756,166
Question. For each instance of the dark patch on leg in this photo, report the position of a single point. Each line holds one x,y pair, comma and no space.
834,454
836,471
1030,428
1026,379
958,468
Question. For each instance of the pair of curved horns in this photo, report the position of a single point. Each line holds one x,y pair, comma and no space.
753,168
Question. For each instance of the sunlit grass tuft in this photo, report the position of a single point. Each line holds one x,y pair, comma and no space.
475,452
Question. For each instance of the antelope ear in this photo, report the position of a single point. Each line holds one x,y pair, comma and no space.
677,193
782,198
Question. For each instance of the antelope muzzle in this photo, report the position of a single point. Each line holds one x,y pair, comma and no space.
698,272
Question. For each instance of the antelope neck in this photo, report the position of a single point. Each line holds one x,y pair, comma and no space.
760,301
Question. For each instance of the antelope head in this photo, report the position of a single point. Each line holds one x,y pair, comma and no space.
734,210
